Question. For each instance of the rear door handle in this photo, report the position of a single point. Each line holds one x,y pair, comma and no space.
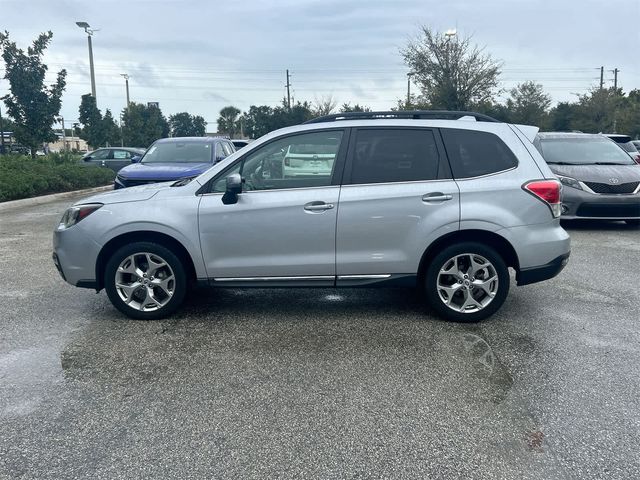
318,206
436,197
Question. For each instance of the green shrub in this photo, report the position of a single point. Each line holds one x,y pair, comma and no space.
23,177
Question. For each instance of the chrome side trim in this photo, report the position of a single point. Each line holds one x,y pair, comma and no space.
364,277
272,279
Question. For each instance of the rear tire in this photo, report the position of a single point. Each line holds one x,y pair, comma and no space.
467,282
145,281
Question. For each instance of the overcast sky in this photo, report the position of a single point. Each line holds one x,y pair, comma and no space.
199,56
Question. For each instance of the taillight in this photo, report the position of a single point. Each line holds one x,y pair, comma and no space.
548,191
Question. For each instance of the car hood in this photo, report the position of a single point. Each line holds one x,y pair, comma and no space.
131,194
599,173
162,171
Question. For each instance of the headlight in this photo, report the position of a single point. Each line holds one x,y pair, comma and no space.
569,182
74,214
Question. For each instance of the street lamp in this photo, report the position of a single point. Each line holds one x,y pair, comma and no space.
409,75
126,79
452,32
89,32
64,133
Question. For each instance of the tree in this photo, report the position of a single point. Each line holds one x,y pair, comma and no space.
346,108
451,74
89,116
562,116
324,106
597,110
142,125
260,120
111,130
31,104
229,121
528,104
184,124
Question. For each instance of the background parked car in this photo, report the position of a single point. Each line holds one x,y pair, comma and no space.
114,157
238,143
600,180
171,159
627,145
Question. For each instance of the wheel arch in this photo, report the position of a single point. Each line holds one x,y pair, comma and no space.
143,236
491,239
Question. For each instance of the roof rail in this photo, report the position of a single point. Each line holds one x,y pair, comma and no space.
404,114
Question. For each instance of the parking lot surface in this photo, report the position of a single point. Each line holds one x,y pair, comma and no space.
298,383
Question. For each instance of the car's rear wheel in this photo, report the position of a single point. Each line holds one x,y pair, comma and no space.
467,282
145,280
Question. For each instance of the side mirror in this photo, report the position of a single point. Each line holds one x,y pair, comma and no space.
87,158
136,158
234,188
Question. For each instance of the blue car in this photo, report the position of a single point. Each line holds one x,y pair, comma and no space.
171,159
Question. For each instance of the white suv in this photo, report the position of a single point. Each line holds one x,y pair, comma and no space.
443,201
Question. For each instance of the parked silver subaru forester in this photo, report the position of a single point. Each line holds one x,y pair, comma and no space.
445,201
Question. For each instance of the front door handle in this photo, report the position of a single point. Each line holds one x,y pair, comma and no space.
318,206
436,197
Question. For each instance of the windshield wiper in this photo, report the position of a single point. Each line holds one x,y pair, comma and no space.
182,182
611,163
562,163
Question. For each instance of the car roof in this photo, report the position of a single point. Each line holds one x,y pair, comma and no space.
190,140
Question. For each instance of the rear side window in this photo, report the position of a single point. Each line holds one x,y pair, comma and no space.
473,153
394,155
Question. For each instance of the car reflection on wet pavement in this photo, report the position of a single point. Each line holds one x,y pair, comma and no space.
319,383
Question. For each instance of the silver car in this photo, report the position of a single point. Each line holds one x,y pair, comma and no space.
443,201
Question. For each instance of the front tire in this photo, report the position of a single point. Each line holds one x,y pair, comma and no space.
467,282
145,281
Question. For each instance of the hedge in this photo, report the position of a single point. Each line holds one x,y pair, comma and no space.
23,177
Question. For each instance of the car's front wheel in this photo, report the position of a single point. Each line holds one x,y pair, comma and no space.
145,280
467,282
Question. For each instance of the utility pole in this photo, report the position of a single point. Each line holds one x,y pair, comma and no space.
288,85
89,33
409,75
615,77
601,77
126,80
2,151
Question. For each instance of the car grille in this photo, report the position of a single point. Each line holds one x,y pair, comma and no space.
609,210
613,188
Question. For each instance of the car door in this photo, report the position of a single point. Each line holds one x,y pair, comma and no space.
119,159
397,197
282,229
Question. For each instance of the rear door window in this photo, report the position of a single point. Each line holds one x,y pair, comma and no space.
473,153
385,155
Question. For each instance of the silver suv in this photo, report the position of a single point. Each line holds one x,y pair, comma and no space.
442,201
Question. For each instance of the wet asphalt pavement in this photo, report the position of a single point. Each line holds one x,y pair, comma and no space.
299,383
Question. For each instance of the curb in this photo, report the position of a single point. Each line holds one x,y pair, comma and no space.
27,202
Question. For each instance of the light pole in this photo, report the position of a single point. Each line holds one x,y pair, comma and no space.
126,80
1,134
89,33
64,134
409,75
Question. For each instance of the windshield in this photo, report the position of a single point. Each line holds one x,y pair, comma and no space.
583,151
179,152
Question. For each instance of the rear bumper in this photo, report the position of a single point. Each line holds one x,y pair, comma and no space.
530,275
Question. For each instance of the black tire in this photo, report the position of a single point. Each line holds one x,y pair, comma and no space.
633,223
179,284
441,260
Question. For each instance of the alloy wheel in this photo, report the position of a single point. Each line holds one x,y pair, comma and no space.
145,281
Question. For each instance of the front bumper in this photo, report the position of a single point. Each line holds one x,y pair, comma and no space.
75,255
578,204
527,276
